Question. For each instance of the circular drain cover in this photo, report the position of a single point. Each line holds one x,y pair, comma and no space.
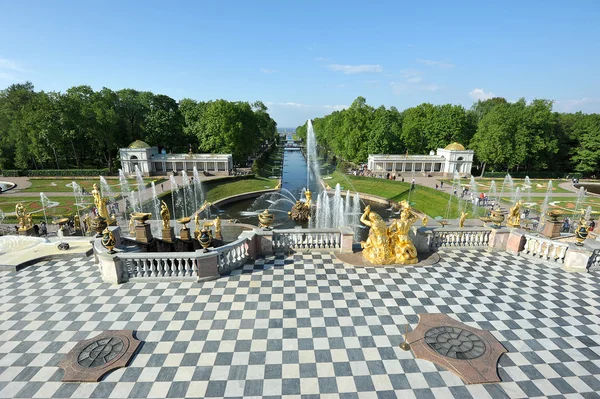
455,342
100,352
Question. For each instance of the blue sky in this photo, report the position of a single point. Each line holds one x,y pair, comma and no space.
305,59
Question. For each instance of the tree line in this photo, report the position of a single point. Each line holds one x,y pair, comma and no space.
83,128
505,136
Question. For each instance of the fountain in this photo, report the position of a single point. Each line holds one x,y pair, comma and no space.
176,199
198,194
493,194
189,204
311,155
125,193
507,183
156,211
45,205
527,188
544,207
475,196
141,186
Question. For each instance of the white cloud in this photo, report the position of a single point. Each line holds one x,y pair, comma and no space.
586,104
479,94
412,81
352,69
440,64
265,70
9,70
322,59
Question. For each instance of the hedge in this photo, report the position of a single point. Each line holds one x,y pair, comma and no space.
13,173
535,175
67,172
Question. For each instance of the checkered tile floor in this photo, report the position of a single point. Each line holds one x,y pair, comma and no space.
303,326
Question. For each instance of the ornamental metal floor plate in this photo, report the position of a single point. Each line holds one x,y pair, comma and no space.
89,360
468,352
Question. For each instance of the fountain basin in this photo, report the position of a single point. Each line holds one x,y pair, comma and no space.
6,185
140,217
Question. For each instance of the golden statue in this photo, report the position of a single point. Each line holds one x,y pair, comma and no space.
29,220
165,215
131,224
77,222
425,221
376,249
197,222
217,224
404,250
514,215
21,215
308,196
278,186
100,202
461,221
87,223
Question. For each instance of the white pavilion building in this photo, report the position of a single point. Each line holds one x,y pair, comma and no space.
445,162
151,161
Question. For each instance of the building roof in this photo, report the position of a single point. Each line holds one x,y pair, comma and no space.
455,147
139,144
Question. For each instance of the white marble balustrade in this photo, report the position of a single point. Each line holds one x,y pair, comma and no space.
233,255
307,239
545,248
465,237
179,266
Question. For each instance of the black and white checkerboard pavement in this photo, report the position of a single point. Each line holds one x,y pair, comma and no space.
303,326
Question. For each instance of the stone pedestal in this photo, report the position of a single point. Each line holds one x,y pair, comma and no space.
168,234
264,241
143,233
347,239
552,229
499,238
420,237
27,232
184,234
516,241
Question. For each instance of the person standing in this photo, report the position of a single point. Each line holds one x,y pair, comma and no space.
44,228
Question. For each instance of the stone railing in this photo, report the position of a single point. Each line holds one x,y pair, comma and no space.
179,266
594,262
307,239
544,248
233,256
452,238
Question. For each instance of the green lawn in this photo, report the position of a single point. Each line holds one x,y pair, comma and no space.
65,207
430,201
218,189
537,185
566,204
60,184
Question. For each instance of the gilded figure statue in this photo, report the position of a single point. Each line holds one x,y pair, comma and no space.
29,220
21,215
404,251
131,224
100,202
87,223
77,222
308,196
377,247
165,215
461,221
425,220
514,215
197,222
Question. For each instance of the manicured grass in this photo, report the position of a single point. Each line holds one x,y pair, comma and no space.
66,207
218,189
430,201
566,204
60,184
537,185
